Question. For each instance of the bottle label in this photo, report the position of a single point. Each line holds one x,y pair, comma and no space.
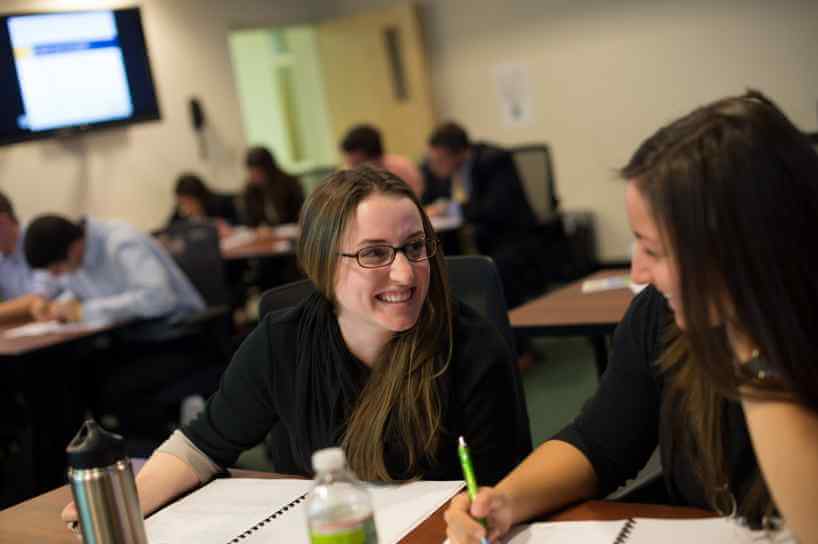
362,533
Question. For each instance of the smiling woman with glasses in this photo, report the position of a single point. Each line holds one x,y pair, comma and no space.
379,360
380,255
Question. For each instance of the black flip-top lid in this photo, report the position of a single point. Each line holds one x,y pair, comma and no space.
94,447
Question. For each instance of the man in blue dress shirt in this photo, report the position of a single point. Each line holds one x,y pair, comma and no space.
22,290
107,271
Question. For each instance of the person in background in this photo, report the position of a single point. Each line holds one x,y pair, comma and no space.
271,196
482,182
23,291
715,362
363,145
107,271
195,201
379,360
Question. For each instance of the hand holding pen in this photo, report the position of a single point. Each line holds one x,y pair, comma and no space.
488,504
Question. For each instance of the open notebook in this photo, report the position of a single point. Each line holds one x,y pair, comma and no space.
261,510
645,531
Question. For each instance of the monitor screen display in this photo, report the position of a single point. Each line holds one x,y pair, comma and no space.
73,71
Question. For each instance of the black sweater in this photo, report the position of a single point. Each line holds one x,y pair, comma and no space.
620,426
256,396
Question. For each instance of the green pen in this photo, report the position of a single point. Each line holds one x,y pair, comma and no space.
468,474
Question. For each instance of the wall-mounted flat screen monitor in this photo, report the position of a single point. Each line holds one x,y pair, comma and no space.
72,71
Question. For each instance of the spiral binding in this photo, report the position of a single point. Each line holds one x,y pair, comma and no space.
625,531
268,519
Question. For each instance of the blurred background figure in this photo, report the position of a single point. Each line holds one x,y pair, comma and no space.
363,144
271,196
195,201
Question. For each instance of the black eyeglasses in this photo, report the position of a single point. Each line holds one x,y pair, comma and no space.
379,256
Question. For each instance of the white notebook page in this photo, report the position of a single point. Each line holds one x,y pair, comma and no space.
227,508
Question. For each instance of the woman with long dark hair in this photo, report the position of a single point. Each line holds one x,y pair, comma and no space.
271,196
195,201
379,360
717,361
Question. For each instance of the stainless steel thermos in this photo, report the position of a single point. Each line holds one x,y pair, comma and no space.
103,487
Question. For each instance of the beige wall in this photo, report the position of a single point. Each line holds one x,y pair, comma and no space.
129,172
606,74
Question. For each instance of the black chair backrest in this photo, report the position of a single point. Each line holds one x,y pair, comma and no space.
537,174
195,248
474,280
284,296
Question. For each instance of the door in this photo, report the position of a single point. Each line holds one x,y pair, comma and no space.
374,71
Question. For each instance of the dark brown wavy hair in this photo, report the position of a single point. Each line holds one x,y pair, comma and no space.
733,188
401,399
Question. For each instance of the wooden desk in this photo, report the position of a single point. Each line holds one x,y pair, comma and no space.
47,369
38,520
569,312
261,247
28,344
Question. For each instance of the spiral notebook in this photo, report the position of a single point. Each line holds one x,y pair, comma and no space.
646,531
246,510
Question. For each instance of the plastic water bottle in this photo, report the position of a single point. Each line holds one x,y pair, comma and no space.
339,509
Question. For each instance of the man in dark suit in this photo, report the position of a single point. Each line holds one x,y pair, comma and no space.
483,179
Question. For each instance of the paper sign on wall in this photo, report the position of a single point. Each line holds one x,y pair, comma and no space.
514,93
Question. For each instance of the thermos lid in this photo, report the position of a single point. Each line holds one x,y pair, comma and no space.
94,447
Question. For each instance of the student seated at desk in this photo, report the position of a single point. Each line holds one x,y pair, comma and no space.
107,271
379,360
195,201
22,290
717,361
271,196
363,145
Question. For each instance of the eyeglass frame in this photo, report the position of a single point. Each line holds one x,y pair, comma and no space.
430,243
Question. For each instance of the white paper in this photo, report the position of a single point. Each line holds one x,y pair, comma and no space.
514,92
239,237
42,328
228,508
700,531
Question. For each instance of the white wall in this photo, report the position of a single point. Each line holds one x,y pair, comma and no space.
606,74
129,172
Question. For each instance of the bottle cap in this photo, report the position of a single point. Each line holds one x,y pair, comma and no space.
328,459
94,447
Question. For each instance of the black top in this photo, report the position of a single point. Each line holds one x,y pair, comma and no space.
256,396
498,206
620,426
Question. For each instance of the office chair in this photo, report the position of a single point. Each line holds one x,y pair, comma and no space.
195,248
536,170
473,279
284,296
168,361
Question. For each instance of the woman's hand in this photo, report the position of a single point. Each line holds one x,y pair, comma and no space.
461,517
69,516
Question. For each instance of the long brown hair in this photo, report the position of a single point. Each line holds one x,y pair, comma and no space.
401,401
733,188
280,191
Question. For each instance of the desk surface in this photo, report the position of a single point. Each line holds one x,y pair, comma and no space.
569,311
38,520
27,344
